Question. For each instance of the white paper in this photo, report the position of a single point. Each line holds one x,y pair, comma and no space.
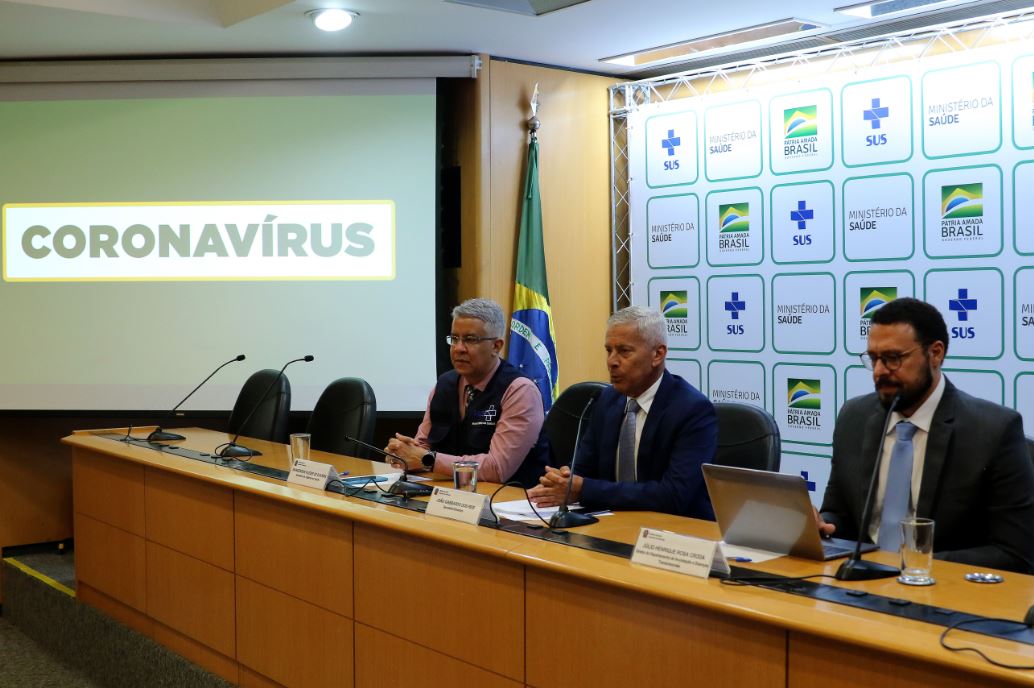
520,510
736,554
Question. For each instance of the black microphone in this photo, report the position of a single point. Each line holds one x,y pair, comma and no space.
160,435
564,518
855,568
402,486
234,450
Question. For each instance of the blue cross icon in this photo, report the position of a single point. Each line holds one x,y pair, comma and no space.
809,483
962,305
671,142
876,113
734,305
802,215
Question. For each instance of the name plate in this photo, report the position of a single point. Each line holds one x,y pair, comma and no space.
312,474
458,505
683,554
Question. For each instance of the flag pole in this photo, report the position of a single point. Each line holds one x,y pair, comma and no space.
532,334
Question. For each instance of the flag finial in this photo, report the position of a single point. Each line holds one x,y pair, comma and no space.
533,121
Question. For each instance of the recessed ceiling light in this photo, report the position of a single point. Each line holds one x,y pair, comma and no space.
331,19
879,8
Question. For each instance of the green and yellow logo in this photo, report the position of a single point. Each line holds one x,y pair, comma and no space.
733,217
674,304
803,394
871,298
801,121
962,200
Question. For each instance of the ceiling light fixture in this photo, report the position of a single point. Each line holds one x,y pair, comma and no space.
331,18
879,8
531,8
720,41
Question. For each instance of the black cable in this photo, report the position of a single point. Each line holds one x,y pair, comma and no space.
491,499
242,459
964,648
351,491
759,581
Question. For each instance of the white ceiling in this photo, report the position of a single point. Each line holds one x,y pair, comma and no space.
576,37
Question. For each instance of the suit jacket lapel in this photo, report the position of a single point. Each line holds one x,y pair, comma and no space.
653,421
613,417
941,428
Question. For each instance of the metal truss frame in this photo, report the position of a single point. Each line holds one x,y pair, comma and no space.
871,51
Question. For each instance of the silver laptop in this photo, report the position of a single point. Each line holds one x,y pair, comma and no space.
769,511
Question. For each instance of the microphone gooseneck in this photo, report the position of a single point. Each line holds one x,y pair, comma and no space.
856,568
234,450
397,460
160,435
564,517
401,487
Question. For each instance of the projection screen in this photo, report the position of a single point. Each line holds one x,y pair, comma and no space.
151,233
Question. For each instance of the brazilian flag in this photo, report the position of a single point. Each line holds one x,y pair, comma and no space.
532,337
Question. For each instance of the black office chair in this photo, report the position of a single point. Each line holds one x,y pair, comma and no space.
1030,448
269,420
347,406
748,437
562,420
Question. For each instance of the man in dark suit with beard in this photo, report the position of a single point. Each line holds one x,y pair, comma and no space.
964,461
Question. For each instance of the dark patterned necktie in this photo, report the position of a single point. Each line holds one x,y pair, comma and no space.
626,444
469,392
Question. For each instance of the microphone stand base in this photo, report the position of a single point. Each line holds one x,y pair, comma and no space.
571,519
234,451
408,489
859,569
162,436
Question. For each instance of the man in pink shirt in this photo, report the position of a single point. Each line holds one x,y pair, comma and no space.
484,410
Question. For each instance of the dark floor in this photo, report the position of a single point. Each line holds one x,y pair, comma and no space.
24,664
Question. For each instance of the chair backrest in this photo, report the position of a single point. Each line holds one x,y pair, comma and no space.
269,422
347,406
748,437
1030,448
562,420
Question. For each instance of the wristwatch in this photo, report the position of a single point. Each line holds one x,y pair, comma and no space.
429,459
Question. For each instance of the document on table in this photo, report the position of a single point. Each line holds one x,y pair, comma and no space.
520,510
735,554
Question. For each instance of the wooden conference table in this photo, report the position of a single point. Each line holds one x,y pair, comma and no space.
268,584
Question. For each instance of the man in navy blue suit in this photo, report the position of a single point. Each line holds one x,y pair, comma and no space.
649,434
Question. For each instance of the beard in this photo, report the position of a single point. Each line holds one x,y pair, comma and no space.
911,394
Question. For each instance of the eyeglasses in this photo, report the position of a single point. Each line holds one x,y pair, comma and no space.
468,340
891,361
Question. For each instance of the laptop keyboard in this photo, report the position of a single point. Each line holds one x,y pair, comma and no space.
833,550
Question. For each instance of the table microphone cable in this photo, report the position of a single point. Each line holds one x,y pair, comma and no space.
491,499
961,623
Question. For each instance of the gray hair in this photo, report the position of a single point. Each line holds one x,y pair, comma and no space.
648,322
485,310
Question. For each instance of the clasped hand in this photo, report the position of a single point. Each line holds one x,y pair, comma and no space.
407,449
552,488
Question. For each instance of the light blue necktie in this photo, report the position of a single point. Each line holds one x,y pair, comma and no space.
898,493
626,444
